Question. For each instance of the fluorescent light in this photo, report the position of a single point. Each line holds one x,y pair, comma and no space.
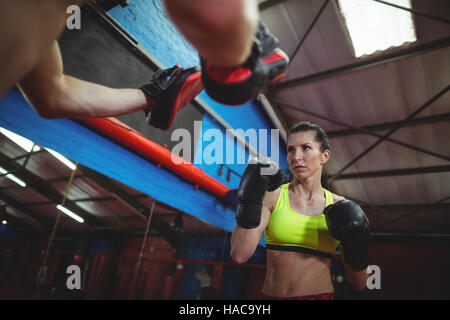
12,177
22,142
375,26
70,213
63,159
29,146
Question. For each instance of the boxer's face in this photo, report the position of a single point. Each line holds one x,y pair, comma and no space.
304,155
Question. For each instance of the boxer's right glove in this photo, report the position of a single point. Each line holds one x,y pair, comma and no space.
347,222
259,176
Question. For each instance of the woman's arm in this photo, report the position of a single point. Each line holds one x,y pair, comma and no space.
244,241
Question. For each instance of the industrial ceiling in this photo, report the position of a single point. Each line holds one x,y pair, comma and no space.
387,115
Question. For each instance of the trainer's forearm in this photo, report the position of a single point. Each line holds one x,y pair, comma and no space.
86,99
54,94
70,97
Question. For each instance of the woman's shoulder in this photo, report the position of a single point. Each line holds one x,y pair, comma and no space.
271,198
273,195
337,197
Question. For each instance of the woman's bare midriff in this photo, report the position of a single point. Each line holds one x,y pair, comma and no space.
292,274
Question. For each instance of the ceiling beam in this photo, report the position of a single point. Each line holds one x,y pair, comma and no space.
316,17
32,215
409,214
263,5
28,154
88,199
48,181
408,206
95,199
45,189
362,130
409,236
416,12
157,223
389,125
364,63
394,129
17,222
395,172
116,191
51,180
371,209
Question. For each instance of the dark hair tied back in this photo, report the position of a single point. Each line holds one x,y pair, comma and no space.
321,135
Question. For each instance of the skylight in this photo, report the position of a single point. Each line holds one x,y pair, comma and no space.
376,26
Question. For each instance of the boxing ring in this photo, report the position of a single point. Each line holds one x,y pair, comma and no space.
101,154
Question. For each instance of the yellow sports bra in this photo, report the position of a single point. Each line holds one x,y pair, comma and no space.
291,231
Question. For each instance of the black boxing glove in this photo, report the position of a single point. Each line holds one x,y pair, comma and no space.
234,86
259,176
347,223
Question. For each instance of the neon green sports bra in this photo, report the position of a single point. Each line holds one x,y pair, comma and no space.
291,231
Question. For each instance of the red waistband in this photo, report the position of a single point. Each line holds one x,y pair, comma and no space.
319,296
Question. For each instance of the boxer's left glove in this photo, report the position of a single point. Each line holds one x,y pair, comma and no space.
259,176
347,222
168,91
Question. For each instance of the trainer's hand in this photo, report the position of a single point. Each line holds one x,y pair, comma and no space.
169,91
259,176
347,222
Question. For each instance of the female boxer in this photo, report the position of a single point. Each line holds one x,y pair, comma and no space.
303,223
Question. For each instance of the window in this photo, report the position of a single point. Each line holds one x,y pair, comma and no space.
376,26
